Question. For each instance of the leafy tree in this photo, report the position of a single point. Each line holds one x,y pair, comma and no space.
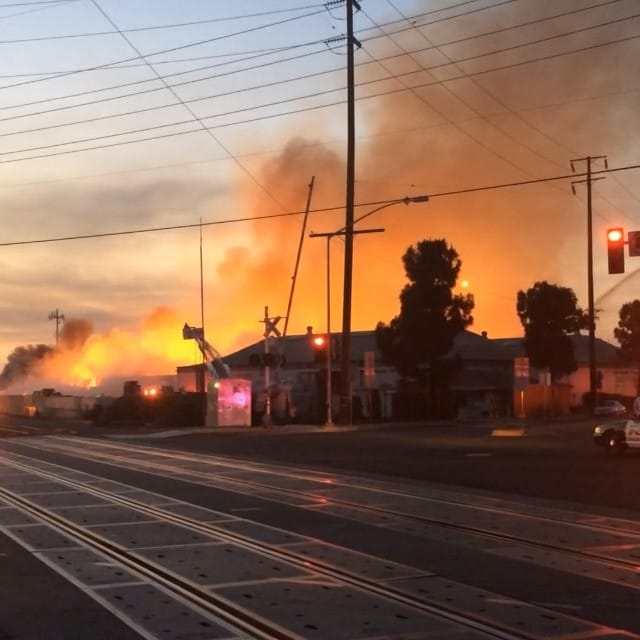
627,333
430,314
548,314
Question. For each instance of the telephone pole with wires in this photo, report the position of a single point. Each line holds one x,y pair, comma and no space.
345,363
593,376
59,318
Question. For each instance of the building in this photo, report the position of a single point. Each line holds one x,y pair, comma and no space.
483,383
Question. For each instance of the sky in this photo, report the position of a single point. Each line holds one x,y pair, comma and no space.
156,161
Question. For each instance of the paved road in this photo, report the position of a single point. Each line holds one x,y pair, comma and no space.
555,460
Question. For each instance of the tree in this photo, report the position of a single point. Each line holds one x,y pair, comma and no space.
627,333
548,314
430,314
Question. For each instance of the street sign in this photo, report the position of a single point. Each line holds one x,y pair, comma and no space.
634,243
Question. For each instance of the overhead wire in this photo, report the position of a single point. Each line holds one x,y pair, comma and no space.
234,61
193,81
194,116
294,111
445,85
194,58
431,196
259,66
176,25
207,41
152,54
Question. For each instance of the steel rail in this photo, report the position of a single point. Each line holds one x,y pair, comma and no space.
203,598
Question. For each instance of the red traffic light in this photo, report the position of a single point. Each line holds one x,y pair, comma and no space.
319,342
614,235
615,249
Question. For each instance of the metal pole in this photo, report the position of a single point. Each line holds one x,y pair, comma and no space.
295,270
202,378
345,364
58,317
329,421
266,418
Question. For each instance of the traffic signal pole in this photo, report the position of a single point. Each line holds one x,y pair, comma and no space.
593,376
329,389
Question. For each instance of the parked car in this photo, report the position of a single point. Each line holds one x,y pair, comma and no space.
610,408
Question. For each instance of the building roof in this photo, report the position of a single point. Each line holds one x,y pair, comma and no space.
299,350
467,345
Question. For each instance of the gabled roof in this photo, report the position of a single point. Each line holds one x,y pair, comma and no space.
606,353
298,349
473,346
467,345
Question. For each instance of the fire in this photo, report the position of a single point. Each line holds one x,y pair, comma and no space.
84,358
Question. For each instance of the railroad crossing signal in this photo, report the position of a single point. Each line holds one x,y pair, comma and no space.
270,324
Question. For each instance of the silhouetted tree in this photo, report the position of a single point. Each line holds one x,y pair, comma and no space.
548,314
627,333
431,315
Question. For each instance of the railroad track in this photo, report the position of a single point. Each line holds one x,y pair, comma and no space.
324,488
471,609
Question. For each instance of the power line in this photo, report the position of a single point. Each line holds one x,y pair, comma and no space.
273,62
306,76
259,54
176,25
280,114
197,58
456,192
481,88
211,134
156,53
6,5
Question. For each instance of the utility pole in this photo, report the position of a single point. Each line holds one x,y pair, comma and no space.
58,317
593,377
345,364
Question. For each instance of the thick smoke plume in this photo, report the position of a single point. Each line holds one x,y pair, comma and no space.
496,128
83,359
23,363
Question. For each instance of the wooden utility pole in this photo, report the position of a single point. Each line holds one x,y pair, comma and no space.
593,376
345,363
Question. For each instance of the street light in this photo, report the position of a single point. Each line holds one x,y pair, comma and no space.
345,365
329,390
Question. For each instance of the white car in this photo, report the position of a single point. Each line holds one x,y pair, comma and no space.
618,436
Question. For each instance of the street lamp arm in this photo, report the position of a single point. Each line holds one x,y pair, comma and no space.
406,200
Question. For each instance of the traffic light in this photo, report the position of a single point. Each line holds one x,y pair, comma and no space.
615,249
319,343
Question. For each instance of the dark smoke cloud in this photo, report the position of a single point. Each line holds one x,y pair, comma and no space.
75,333
26,362
23,362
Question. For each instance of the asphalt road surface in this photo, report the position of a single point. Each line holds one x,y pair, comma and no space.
525,528
555,459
